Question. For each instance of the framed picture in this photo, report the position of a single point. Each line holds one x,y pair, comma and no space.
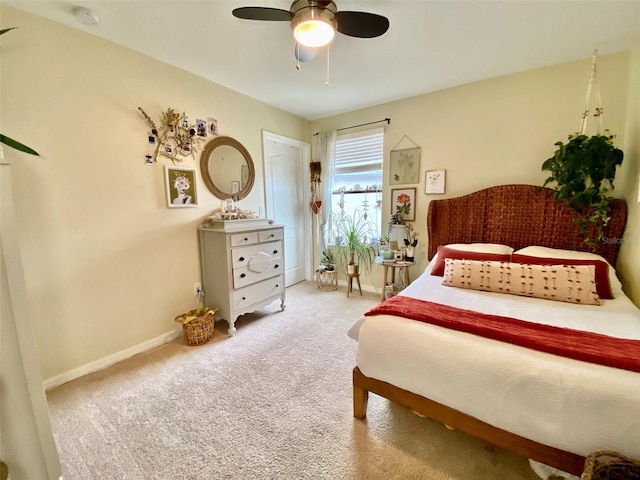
403,201
180,187
404,166
434,181
235,186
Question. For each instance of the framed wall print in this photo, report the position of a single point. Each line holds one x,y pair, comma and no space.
404,166
403,202
235,186
434,181
180,187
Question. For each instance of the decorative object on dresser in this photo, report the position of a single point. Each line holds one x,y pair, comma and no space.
242,264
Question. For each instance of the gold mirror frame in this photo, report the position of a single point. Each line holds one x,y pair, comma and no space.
206,173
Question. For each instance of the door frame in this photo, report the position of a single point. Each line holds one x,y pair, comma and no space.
304,180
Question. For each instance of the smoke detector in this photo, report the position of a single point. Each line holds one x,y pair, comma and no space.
86,16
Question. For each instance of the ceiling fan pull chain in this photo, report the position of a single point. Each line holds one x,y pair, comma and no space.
328,82
298,67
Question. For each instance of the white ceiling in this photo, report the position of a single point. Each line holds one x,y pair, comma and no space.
430,45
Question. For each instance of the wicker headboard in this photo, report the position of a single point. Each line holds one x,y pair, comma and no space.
519,216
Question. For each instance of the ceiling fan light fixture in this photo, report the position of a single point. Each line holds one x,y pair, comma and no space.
314,33
313,22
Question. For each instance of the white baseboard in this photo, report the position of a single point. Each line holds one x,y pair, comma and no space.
104,362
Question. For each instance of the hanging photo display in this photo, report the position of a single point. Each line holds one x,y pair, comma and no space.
175,137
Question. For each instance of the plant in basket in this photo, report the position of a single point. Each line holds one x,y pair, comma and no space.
197,325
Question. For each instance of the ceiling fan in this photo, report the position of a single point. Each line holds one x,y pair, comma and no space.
314,22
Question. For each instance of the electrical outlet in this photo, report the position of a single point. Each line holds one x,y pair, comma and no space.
197,289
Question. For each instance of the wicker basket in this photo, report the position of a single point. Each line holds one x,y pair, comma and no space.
197,326
607,465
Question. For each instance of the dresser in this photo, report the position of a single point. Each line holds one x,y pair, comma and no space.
242,265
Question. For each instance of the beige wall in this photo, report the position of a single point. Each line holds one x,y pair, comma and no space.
627,186
498,131
107,265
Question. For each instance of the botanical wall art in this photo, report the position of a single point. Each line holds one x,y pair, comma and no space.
434,181
175,137
404,166
180,187
403,203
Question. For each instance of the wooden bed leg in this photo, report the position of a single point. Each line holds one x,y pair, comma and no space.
360,398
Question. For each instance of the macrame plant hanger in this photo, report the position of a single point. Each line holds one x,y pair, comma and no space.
598,111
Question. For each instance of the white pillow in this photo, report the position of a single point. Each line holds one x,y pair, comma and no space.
482,247
473,247
573,283
537,251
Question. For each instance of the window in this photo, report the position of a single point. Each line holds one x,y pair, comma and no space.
357,183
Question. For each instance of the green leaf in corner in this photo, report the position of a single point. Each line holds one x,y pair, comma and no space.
5,30
17,145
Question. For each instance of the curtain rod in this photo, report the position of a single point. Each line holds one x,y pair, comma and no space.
388,120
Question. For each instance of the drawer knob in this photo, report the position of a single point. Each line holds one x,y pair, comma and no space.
242,275
246,239
272,235
275,251
241,259
244,298
276,266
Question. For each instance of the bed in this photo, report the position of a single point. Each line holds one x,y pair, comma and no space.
546,407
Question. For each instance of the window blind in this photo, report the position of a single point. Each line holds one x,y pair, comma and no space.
359,152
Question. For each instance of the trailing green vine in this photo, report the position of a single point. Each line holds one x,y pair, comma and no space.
584,169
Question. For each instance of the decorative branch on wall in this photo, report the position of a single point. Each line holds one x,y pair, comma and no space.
174,138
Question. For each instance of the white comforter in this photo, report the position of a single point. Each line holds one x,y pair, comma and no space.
568,404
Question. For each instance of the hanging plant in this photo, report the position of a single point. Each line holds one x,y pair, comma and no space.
583,170
315,169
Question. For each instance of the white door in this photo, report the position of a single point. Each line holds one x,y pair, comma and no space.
286,165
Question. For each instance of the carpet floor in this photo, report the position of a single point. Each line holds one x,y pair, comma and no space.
272,402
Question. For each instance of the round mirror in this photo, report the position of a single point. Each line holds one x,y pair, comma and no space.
227,168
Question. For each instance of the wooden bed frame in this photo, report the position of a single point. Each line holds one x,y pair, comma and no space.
515,215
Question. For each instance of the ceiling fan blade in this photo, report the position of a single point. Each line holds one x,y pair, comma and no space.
262,13
362,24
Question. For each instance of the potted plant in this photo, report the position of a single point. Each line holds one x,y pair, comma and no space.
352,249
583,170
328,260
410,243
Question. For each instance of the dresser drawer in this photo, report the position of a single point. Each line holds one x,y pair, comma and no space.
247,296
242,256
246,238
243,276
268,235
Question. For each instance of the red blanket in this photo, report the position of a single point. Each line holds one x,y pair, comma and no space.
577,344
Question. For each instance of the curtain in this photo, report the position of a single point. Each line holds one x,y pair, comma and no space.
324,151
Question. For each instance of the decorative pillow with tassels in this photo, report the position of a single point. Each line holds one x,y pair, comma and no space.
565,283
